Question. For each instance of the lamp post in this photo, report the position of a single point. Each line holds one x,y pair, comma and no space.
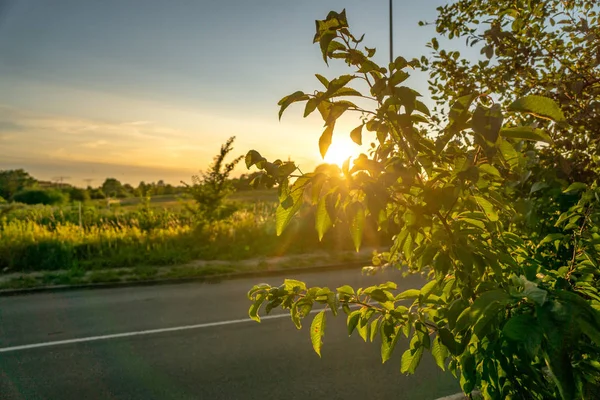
391,35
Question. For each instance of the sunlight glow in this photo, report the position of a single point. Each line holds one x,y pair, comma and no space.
339,151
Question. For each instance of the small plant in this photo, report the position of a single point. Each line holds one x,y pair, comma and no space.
211,187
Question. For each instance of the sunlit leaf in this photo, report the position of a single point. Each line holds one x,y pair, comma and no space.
317,331
539,106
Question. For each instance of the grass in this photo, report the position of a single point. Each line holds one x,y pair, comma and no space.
53,246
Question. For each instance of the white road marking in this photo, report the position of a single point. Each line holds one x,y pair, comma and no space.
140,333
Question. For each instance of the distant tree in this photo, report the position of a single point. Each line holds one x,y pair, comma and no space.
128,188
97,194
141,189
13,181
112,187
41,196
78,194
211,187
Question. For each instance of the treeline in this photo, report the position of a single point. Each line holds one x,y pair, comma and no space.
17,185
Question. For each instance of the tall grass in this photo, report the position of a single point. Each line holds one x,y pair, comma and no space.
47,238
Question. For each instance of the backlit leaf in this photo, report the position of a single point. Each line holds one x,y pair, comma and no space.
317,331
539,106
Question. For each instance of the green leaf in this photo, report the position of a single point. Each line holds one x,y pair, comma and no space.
323,80
526,133
322,219
524,329
325,139
559,363
411,357
317,331
356,214
471,314
253,157
487,208
439,353
447,339
510,155
352,321
294,200
253,311
389,338
575,187
337,84
538,186
346,290
311,105
291,284
409,294
356,135
487,122
292,98
539,106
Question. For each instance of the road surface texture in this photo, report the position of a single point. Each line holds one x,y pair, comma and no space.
211,352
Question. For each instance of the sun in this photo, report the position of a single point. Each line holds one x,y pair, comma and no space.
339,151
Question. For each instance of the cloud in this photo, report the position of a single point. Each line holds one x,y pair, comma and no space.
94,144
36,136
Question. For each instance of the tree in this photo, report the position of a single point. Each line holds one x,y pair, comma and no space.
78,194
211,187
50,197
97,194
13,181
511,313
112,187
544,47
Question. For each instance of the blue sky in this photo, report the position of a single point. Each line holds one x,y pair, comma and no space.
149,89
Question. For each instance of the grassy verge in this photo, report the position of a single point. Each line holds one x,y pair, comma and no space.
196,269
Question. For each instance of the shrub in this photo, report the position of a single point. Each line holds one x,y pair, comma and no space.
40,196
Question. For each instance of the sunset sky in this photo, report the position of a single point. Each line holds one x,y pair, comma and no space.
149,89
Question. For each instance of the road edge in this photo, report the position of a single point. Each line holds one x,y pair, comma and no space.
173,281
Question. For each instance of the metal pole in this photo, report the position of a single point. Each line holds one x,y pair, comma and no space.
391,35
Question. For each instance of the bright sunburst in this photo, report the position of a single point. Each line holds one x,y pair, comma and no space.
339,151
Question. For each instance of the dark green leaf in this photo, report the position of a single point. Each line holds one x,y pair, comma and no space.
292,98
526,133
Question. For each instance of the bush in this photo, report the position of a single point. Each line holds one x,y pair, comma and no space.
40,196
78,194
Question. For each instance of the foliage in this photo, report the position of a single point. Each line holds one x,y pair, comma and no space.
13,181
40,196
211,187
113,188
543,47
78,194
37,238
511,304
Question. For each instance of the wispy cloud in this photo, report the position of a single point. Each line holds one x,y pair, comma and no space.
34,135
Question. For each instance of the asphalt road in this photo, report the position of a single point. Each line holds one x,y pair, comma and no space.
211,353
